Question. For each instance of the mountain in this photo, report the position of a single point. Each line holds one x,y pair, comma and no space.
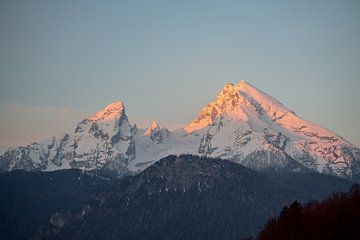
32,201
250,127
191,197
243,124
166,201
102,141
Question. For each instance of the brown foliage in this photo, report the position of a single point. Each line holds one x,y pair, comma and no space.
337,217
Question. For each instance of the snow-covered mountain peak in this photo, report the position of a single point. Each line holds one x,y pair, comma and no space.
232,100
154,126
112,111
244,102
102,141
240,101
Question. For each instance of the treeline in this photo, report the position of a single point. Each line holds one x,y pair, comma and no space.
337,217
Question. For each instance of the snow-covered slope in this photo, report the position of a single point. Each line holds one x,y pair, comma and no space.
243,125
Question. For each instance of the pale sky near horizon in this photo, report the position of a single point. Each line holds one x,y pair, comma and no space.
63,60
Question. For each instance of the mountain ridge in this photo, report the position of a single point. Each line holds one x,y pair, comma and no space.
243,124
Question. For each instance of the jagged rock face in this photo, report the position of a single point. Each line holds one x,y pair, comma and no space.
103,141
108,141
243,125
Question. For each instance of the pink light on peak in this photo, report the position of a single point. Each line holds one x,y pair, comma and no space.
110,112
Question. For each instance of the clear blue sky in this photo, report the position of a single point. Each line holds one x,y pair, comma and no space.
63,60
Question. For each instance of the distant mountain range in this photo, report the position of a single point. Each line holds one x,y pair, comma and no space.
243,125
178,197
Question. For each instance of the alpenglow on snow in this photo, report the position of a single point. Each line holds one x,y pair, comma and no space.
242,124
